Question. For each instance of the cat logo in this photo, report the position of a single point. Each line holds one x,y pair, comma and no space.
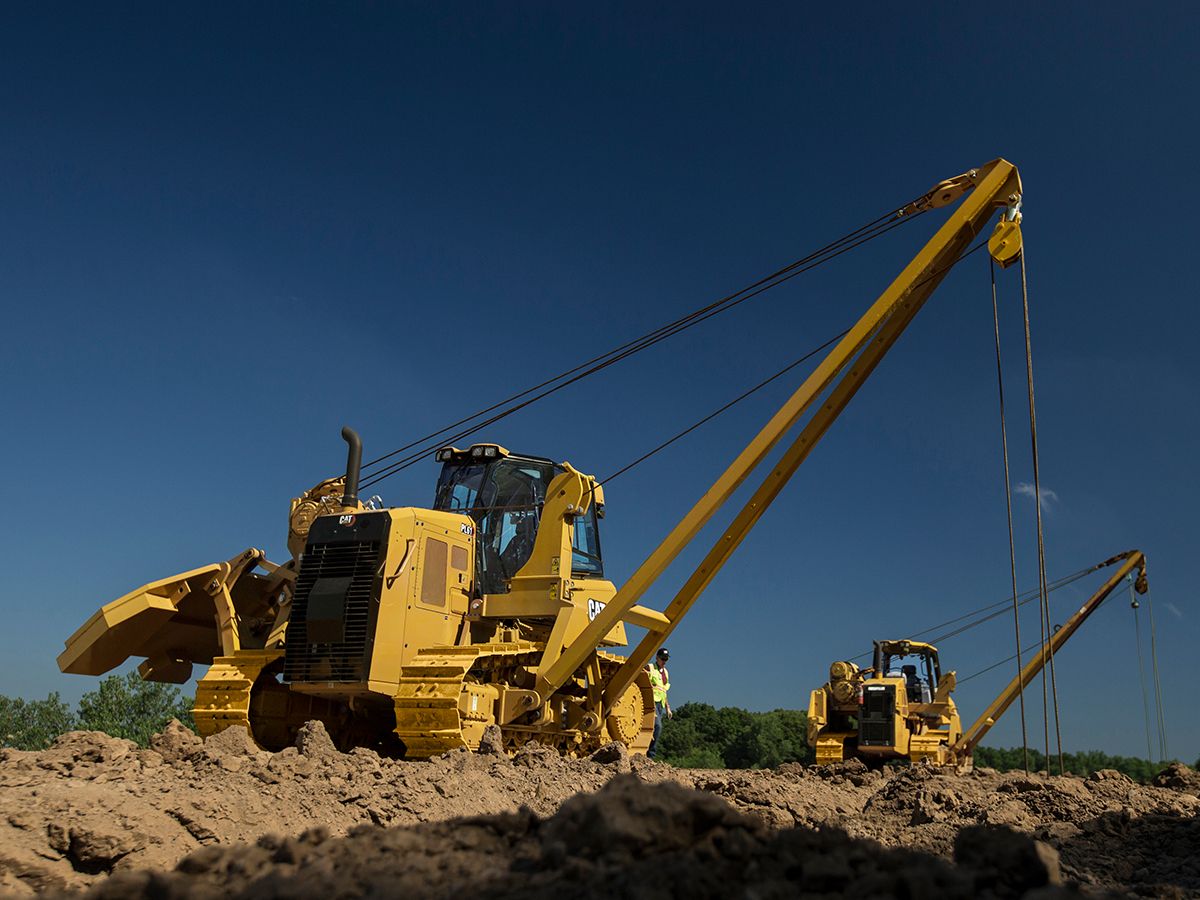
345,520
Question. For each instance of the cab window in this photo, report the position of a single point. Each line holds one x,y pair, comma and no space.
585,558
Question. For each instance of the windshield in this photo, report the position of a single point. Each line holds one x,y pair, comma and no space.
919,672
505,500
458,488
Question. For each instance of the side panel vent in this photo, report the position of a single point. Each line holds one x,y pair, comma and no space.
331,630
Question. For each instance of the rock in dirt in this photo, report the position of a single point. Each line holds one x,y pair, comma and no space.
176,742
1110,775
1006,861
313,741
613,754
492,742
537,756
234,741
85,751
89,850
1178,777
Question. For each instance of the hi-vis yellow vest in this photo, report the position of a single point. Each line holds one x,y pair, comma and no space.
660,682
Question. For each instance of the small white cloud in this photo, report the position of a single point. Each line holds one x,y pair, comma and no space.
1026,490
1175,609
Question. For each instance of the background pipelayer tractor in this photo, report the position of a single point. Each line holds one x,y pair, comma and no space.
898,709
422,627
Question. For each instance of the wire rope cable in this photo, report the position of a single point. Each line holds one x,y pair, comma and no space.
1162,725
1047,649
736,400
1012,547
778,374
1035,595
874,229
994,666
891,221
1137,636
1009,659
638,346
992,610
661,329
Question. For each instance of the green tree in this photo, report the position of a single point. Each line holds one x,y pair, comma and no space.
699,758
791,745
769,739
125,706
702,736
33,724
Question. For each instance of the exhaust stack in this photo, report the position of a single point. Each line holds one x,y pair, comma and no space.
353,465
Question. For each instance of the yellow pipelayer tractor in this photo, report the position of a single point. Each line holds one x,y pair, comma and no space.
421,627
903,710
425,624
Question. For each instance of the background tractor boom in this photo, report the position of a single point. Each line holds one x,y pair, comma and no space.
1129,561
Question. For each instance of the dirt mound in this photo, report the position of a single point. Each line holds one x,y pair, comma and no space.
1179,777
629,839
1110,831
92,810
91,804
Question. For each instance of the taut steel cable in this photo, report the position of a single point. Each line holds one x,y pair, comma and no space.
1012,548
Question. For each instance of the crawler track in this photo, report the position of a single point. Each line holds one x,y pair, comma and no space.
445,701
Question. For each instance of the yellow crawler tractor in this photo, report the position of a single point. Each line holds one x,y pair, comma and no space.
901,708
421,626
414,630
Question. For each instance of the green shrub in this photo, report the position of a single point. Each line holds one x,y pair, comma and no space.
123,705
33,724
702,736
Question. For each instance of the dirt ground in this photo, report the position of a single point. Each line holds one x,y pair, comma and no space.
190,818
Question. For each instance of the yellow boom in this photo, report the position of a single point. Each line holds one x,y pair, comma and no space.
988,188
1133,559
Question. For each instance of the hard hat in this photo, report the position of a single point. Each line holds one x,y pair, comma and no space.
663,652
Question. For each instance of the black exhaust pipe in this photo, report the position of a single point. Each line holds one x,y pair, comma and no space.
353,465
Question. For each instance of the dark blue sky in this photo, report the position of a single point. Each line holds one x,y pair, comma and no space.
226,231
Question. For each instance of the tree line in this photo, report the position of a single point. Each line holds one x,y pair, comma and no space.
703,737
1084,762
124,706
699,736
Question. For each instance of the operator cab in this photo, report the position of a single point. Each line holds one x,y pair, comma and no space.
504,494
912,661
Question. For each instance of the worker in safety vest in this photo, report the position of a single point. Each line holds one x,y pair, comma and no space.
660,682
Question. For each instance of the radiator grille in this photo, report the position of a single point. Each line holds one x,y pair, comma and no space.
331,629
876,725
